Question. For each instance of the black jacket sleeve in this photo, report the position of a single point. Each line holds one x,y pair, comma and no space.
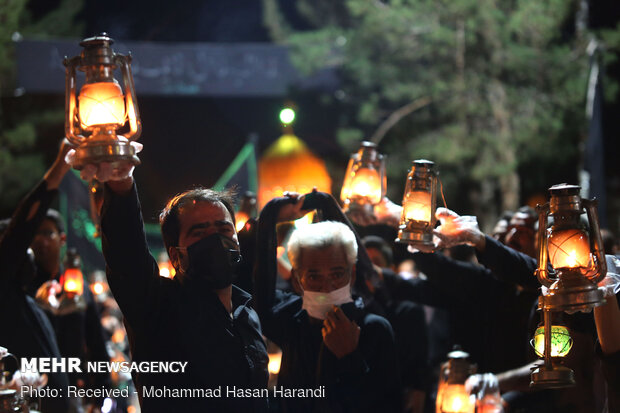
509,264
21,230
132,272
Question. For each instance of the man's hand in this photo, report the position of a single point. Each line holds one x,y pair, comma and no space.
47,294
457,230
120,171
340,335
292,211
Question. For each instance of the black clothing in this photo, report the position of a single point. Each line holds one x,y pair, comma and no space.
26,330
368,379
488,318
509,264
179,320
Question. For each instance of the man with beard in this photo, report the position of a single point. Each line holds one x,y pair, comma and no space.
198,317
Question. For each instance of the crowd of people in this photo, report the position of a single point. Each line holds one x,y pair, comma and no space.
363,324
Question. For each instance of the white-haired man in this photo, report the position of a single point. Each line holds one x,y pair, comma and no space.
327,338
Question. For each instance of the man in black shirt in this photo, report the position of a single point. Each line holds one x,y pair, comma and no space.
198,317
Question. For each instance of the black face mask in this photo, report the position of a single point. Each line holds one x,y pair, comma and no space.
213,259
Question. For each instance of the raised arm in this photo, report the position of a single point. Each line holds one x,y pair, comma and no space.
28,216
132,272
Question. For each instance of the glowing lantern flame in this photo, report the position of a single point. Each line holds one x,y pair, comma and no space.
569,249
418,206
275,359
98,288
101,103
73,281
166,269
455,399
366,184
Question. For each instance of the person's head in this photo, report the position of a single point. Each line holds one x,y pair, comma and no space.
323,256
379,251
48,241
501,227
521,233
193,215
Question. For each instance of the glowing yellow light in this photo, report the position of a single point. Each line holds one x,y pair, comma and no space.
241,218
98,288
73,281
275,359
280,251
455,399
366,184
561,341
118,336
418,206
569,249
166,269
101,103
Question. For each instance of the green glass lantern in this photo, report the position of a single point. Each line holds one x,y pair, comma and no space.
561,341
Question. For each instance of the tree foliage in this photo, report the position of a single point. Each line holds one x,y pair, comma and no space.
22,118
485,88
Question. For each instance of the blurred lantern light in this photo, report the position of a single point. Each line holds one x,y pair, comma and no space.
166,269
97,288
452,395
418,217
98,285
365,180
72,280
101,109
241,218
455,399
275,360
561,341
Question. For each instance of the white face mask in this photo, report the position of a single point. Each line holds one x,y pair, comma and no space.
317,304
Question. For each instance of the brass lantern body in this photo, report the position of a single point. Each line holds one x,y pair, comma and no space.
93,117
419,203
575,255
365,180
551,374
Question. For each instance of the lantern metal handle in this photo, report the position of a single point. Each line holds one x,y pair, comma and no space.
133,114
598,251
541,272
71,100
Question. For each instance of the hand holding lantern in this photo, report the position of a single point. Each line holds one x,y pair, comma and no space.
96,115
